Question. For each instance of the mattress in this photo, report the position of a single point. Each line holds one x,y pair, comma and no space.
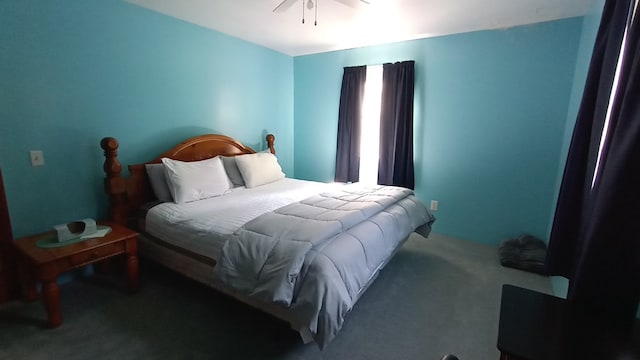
202,227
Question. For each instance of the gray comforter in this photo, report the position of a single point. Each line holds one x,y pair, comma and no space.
316,256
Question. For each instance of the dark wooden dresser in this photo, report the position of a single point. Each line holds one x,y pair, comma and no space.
537,326
9,285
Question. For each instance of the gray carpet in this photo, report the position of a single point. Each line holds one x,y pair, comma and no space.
437,296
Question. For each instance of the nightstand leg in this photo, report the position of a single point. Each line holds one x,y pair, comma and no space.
132,272
51,299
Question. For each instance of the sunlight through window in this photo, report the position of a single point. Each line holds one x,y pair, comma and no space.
370,129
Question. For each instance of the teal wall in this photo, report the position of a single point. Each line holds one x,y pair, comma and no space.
490,116
72,72
491,108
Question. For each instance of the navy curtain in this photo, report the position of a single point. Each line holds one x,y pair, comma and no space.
349,123
595,239
395,165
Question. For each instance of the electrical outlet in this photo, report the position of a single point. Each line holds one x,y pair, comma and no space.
37,159
434,205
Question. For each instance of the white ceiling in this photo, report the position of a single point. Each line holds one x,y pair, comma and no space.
343,27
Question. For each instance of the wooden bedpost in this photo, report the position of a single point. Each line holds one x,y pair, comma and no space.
114,183
270,140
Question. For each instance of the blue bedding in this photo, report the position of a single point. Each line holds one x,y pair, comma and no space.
315,257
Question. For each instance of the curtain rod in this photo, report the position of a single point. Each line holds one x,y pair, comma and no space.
381,64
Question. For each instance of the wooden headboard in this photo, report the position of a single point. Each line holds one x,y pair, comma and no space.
128,194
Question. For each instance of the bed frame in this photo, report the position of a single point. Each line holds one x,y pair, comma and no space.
128,194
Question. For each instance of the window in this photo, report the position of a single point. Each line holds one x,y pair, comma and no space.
375,119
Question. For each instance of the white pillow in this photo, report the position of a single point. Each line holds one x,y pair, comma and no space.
195,180
259,169
158,181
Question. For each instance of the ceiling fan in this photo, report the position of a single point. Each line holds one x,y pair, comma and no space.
310,4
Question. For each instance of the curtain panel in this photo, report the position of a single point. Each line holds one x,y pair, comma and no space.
595,239
396,125
349,124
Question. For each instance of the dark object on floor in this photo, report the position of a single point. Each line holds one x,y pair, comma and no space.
449,357
525,253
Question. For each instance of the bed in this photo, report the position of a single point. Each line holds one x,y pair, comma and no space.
299,250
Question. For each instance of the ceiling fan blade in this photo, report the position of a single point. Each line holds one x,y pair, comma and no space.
353,3
284,5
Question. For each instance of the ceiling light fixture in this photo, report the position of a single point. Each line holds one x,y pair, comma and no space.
311,6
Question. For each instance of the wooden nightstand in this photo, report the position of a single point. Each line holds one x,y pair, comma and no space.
46,264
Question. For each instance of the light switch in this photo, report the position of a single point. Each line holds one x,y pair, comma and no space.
37,159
